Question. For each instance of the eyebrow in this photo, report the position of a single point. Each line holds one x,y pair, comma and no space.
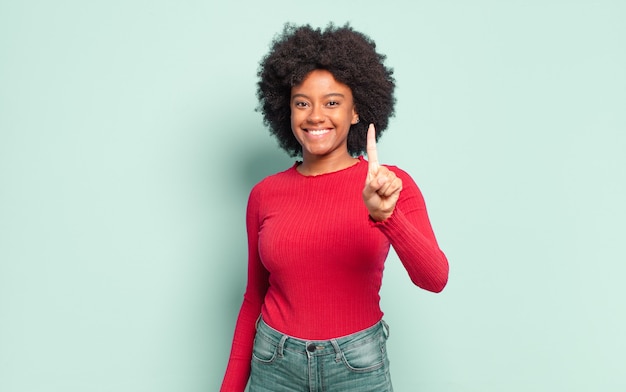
325,96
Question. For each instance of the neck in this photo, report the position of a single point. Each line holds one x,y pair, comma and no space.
320,165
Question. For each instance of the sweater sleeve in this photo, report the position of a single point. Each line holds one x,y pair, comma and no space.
238,369
411,235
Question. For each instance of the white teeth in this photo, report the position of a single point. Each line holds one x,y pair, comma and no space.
319,131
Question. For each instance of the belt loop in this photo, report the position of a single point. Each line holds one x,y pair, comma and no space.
385,329
337,349
256,323
281,345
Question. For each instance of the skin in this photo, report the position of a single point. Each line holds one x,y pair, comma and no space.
322,111
382,186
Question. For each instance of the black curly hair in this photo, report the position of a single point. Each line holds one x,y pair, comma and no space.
350,56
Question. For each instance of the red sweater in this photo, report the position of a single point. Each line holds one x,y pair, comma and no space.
315,259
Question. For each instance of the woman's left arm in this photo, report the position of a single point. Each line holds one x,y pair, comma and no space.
397,208
411,235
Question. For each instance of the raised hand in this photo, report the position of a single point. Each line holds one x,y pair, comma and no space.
382,186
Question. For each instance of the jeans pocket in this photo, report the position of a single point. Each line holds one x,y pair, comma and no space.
264,349
365,357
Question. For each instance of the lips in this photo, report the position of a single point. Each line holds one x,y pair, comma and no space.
318,132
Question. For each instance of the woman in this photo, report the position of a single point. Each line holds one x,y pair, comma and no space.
319,232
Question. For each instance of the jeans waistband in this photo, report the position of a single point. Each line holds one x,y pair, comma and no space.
321,347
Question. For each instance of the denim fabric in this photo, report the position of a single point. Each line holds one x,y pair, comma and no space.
356,362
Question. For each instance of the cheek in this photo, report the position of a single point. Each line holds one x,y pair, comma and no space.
294,125
345,116
295,117
294,121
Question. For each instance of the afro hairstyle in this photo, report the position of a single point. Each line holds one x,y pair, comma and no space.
349,56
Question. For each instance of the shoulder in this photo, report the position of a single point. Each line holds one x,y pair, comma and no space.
406,178
402,174
274,181
409,186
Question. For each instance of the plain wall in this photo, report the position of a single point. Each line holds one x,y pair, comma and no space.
129,143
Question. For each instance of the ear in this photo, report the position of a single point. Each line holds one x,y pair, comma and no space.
355,117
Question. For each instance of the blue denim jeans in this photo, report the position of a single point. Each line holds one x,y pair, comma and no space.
356,362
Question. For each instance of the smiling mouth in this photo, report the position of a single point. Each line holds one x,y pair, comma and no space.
318,132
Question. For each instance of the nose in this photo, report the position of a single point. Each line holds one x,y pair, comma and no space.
315,115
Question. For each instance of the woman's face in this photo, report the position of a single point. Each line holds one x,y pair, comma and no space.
322,110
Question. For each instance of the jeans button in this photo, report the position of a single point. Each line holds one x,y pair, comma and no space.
310,348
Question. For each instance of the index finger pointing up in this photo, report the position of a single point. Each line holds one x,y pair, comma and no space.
372,153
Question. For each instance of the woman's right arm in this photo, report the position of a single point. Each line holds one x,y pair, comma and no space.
238,369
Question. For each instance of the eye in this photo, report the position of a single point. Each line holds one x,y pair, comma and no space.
300,104
332,103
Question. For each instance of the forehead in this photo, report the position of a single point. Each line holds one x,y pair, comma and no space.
321,81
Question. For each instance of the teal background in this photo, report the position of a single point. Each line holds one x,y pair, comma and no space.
129,143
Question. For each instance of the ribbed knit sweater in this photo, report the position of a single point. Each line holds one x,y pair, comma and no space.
315,258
